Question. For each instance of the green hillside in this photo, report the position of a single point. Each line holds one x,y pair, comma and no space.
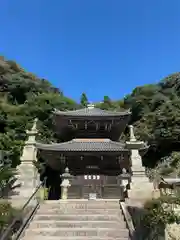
156,116
23,96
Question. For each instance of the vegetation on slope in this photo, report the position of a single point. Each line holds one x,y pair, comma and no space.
155,109
23,96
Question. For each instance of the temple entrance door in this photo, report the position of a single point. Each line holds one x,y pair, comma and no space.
92,186
86,186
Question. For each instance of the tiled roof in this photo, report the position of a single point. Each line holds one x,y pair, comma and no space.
76,145
94,112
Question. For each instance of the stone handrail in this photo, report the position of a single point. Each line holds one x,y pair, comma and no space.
8,232
128,220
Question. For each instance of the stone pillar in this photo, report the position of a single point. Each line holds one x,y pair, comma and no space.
140,186
28,176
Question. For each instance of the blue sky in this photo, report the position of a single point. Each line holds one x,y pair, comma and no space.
101,47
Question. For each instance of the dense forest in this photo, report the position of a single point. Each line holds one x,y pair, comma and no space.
23,96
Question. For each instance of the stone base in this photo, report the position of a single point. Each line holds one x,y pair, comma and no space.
27,179
141,189
22,193
140,195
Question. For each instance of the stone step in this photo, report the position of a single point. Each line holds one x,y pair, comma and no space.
77,224
72,238
84,208
81,206
82,217
70,232
89,201
82,201
78,211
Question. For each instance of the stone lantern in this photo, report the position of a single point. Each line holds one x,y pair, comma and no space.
125,179
66,177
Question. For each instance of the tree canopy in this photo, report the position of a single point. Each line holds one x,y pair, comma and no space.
23,96
155,109
84,100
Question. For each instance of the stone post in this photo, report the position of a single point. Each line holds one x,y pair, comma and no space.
140,186
27,173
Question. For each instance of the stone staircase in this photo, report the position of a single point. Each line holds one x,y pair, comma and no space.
78,220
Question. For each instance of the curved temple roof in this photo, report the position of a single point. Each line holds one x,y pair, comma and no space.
93,112
86,145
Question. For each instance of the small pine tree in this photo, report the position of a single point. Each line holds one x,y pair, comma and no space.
84,100
107,100
106,104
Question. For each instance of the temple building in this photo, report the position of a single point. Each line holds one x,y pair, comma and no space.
90,148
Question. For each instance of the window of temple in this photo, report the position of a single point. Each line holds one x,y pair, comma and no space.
91,177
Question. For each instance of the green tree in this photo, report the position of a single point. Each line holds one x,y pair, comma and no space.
106,104
84,100
107,100
24,96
